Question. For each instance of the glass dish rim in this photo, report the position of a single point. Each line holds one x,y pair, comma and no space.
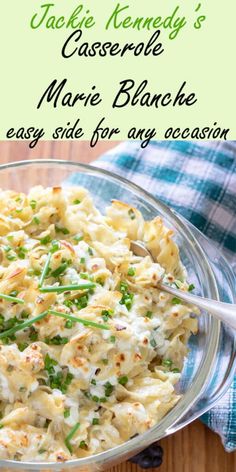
200,380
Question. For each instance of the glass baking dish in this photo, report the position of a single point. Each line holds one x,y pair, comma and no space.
207,269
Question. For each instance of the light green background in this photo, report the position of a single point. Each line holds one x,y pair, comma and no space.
31,59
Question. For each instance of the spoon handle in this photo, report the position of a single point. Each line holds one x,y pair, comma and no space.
225,312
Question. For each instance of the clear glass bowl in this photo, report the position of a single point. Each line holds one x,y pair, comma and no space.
207,269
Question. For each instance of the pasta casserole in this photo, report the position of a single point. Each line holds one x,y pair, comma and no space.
90,349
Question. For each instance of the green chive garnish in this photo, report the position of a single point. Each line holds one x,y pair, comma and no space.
167,363
9,298
123,380
67,413
131,271
131,214
24,325
55,246
22,252
178,283
59,270
176,301
67,288
69,436
45,269
78,237
191,287
33,204
78,320
46,239
7,248
95,421
61,230
36,220
11,257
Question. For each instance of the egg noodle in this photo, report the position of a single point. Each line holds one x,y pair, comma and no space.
90,349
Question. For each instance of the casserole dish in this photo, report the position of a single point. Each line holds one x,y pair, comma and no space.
207,269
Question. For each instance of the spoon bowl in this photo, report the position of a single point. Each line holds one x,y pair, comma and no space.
225,312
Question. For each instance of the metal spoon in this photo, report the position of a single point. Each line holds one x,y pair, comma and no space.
225,312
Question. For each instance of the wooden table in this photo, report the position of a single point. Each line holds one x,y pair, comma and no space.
193,449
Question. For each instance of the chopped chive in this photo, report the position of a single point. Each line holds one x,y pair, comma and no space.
178,283
24,325
56,341
106,314
24,314
175,371
68,303
95,421
83,445
55,246
61,230
11,299
90,251
176,301
108,389
78,320
36,220
131,271
36,272
131,214
59,270
45,269
102,399
42,451
49,362
67,288
78,237
69,324
7,248
167,363
123,380
46,239
105,361
22,346
33,204
11,257
149,314
76,201
67,413
93,382
191,287
81,302
82,260
69,436
112,339
22,252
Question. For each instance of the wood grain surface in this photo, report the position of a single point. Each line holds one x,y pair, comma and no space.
193,449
